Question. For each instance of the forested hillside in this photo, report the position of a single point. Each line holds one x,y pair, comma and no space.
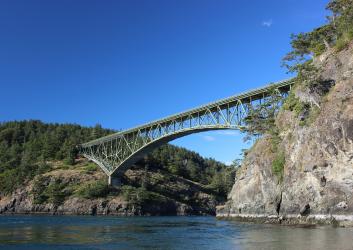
40,156
27,146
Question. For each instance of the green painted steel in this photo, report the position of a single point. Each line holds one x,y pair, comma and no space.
117,152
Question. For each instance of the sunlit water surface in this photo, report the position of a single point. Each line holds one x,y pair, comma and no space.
85,232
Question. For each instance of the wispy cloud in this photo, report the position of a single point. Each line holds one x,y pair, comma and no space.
267,23
208,138
228,132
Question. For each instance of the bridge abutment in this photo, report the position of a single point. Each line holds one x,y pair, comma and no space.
114,181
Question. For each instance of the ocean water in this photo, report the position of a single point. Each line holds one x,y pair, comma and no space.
105,232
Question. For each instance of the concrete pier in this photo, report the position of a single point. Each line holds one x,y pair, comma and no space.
114,180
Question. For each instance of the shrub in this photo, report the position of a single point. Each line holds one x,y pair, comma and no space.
141,196
90,168
344,40
222,182
43,168
8,181
94,189
55,192
292,103
275,140
313,113
278,165
38,190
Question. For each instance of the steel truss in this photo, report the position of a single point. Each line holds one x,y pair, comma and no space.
117,152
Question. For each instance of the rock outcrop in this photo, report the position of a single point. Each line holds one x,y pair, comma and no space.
317,182
175,195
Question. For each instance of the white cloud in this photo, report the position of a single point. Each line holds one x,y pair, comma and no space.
267,23
208,138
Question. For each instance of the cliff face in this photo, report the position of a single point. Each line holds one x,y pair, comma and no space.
317,182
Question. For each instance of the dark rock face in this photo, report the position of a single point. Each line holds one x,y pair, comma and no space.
318,172
305,210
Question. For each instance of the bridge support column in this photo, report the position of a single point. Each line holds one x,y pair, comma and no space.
114,181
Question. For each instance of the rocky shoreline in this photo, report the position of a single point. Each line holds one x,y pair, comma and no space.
291,219
78,206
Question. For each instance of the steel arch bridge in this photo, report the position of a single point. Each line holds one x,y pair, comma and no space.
117,152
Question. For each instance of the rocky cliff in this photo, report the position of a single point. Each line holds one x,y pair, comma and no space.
66,190
315,149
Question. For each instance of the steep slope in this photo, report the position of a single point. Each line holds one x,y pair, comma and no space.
307,176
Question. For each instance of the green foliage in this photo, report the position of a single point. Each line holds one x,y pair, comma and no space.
11,179
38,190
275,141
306,45
292,103
90,168
25,146
338,32
261,118
174,169
182,162
128,192
8,181
342,20
222,182
344,40
278,165
42,168
141,196
313,113
94,189
54,192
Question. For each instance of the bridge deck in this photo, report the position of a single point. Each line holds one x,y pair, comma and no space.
243,97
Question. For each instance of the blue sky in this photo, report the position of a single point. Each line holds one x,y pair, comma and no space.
124,63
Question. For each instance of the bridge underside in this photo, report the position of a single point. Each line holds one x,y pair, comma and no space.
116,153
105,159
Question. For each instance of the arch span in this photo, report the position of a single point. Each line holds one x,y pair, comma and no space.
141,152
117,152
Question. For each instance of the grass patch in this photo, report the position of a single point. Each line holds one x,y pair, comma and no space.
90,168
275,140
64,166
344,40
278,165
